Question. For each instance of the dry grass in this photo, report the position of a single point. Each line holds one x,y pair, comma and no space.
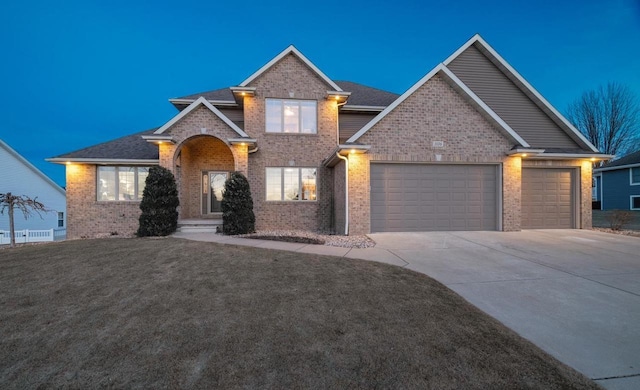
169,313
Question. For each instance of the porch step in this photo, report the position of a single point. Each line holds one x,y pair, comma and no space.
199,225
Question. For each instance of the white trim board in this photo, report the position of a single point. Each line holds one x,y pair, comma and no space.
454,81
290,50
201,101
478,39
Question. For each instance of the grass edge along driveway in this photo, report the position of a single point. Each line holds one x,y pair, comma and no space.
165,313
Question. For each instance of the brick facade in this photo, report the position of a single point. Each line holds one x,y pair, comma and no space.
434,112
290,78
89,218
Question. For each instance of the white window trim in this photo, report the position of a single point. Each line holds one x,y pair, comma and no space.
631,202
281,100
137,196
631,182
282,185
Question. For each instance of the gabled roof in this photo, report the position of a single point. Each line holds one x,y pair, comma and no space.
291,50
631,160
362,95
459,86
222,94
26,163
525,87
128,148
204,102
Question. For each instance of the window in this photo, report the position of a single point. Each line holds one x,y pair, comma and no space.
60,219
291,116
634,174
121,183
291,184
635,202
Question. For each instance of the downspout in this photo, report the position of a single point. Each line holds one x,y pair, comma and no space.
338,105
346,193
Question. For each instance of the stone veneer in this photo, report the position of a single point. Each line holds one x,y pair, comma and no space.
290,78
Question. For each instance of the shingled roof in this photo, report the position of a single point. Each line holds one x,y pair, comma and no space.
629,159
361,95
130,147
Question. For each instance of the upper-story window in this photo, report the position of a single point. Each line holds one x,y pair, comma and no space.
634,176
291,116
121,183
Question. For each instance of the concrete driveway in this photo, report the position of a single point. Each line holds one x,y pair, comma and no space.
574,293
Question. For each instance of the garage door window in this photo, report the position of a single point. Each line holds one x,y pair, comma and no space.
635,202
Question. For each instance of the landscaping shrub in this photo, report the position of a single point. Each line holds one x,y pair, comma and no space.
619,218
159,204
237,206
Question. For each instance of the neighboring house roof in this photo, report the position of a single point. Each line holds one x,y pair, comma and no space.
631,160
130,147
26,162
291,50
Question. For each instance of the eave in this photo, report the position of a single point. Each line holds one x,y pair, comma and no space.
344,150
103,161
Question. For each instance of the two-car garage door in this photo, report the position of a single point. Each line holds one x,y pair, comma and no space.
445,197
431,197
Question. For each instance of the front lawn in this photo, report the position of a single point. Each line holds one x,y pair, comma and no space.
170,313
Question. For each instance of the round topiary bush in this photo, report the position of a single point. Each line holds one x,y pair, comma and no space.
159,204
237,206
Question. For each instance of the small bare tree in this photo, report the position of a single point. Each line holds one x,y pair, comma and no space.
23,203
609,117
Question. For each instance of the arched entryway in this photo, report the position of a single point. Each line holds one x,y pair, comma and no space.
202,165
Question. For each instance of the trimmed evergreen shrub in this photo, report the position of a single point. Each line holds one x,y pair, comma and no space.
159,204
237,206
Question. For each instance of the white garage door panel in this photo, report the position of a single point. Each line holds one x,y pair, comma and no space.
422,197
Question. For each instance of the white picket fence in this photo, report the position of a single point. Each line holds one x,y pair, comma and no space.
24,236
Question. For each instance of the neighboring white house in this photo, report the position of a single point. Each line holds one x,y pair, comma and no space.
20,177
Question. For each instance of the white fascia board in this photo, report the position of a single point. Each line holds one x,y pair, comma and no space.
193,106
452,78
485,108
395,104
572,156
229,103
477,38
617,167
348,107
290,49
525,150
26,162
461,49
153,138
103,161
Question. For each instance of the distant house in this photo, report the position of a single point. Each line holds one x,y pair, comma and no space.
616,185
20,177
471,146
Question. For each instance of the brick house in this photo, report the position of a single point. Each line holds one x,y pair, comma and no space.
470,146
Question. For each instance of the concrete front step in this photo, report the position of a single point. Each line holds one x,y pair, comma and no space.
199,225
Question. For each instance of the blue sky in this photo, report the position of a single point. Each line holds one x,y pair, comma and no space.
77,73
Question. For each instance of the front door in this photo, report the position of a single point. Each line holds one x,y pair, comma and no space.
212,188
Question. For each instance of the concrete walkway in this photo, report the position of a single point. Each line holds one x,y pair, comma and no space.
574,293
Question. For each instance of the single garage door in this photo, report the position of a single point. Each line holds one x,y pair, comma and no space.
428,197
548,198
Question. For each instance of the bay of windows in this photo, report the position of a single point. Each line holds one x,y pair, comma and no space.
121,183
291,116
291,184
